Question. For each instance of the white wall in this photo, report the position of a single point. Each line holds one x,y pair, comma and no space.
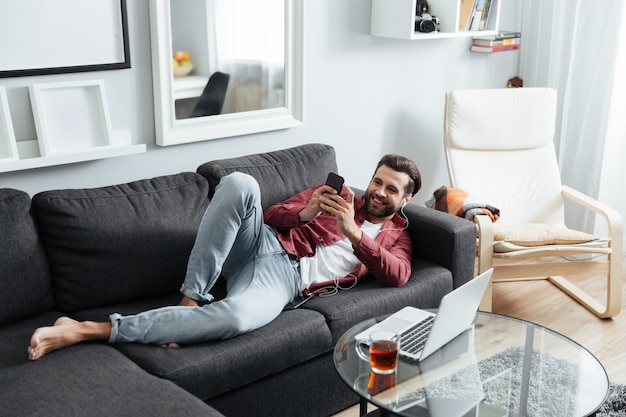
366,96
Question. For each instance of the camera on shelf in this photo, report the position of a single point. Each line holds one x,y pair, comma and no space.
424,22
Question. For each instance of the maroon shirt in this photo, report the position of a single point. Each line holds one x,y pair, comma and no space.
387,257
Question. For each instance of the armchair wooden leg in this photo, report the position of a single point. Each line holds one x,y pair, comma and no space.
484,257
613,299
486,304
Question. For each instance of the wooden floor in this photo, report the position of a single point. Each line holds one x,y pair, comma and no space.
542,303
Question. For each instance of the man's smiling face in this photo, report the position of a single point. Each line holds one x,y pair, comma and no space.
385,194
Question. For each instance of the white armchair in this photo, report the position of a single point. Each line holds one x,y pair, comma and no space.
499,147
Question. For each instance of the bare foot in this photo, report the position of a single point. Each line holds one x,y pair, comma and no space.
65,332
188,302
47,339
171,346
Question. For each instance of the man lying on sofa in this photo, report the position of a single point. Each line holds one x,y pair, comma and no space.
315,241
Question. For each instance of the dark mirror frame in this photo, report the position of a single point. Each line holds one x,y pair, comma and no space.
82,68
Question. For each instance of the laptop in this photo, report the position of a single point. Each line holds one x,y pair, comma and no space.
424,332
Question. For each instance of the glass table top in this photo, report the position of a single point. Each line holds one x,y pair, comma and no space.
500,367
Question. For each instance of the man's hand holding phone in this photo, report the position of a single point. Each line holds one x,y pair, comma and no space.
328,199
313,209
335,181
342,209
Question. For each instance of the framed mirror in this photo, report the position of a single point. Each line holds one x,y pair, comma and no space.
258,94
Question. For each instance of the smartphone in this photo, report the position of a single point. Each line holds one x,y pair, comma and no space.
335,181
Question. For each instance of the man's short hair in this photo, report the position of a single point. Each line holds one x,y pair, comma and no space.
401,164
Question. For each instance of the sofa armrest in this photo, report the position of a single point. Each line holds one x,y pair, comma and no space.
446,240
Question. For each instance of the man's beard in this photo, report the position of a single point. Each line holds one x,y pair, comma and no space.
383,211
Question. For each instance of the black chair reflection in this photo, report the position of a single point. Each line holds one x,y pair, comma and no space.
212,99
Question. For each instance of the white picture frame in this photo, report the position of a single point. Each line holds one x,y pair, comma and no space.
8,145
70,117
63,36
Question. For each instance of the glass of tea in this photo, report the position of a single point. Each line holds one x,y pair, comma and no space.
382,353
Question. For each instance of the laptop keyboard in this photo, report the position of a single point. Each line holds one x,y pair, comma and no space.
413,339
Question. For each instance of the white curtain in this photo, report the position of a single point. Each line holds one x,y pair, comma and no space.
219,19
572,47
246,39
613,184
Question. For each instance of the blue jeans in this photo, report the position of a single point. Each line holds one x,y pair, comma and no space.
232,241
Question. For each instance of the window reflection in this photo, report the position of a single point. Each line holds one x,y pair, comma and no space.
244,39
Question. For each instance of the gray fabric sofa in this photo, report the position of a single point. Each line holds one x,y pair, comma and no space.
91,252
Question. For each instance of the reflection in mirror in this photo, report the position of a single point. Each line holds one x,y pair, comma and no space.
244,47
241,67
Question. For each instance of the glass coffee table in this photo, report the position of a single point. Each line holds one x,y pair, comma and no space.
502,366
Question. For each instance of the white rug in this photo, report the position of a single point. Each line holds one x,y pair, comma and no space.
501,378
615,405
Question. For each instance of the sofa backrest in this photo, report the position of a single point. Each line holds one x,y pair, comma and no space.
24,274
280,174
120,243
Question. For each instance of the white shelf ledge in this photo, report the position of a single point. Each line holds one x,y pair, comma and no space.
30,157
443,35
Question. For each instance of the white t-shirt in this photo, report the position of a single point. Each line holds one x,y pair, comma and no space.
333,262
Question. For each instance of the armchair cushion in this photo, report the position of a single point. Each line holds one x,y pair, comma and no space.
537,234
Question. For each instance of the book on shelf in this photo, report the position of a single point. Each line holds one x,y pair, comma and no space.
495,48
465,14
477,14
494,42
482,25
503,34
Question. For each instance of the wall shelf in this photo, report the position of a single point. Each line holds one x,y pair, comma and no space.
396,19
30,157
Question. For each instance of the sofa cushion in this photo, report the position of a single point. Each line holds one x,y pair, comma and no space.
428,284
15,338
280,174
312,389
209,369
118,243
24,273
92,380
